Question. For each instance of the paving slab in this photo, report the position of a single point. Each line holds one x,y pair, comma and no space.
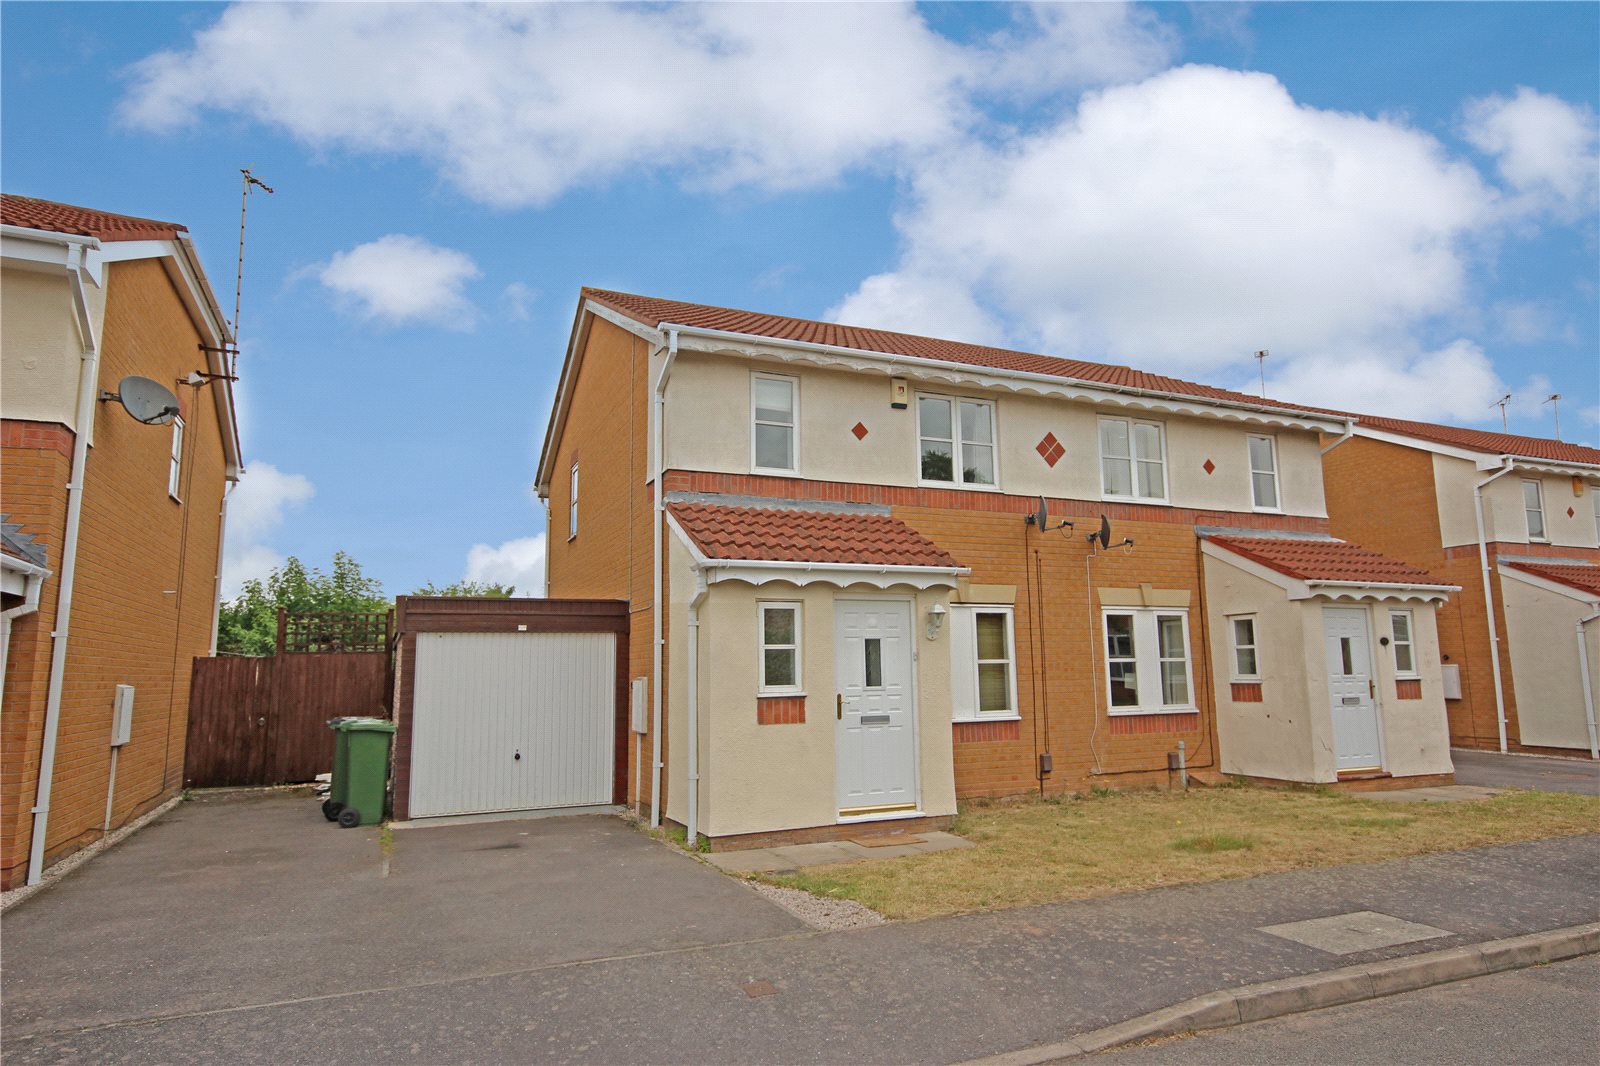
1433,794
1346,934
799,856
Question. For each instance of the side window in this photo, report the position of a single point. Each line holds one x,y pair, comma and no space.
779,637
1405,655
1133,459
983,651
572,505
1246,662
175,467
1533,507
774,411
1264,473
955,440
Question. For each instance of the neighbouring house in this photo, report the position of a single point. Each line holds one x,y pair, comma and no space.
1515,522
871,573
113,527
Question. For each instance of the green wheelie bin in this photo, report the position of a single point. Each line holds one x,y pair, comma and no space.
360,771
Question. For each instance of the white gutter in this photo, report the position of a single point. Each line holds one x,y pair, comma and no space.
1349,431
88,387
692,826
1588,686
659,532
1488,595
33,583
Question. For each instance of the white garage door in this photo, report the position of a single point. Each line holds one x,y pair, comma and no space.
512,721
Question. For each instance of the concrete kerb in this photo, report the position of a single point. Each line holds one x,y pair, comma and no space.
1349,984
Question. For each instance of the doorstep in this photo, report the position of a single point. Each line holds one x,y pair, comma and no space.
823,853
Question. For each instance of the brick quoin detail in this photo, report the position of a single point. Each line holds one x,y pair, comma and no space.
1123,725
1408,690
781,710
1247,692
43,436
968,732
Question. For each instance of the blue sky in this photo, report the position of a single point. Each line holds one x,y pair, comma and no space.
1398,200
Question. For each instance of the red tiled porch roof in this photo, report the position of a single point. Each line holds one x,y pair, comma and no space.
1327,560
1581,576
33,213
756,533
1479,440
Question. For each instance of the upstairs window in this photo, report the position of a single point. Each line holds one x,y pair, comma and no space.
1133,459
175,467
956,440
572,505
780,648
774,406
1405,652
1264,473
1533,506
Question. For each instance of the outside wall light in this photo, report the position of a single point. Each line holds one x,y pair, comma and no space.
936,615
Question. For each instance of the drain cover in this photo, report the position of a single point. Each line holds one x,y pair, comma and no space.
1346,934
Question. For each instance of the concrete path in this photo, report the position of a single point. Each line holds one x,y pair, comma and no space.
639,954
798,856
1493,770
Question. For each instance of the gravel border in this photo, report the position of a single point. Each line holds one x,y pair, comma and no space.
61,869
820,912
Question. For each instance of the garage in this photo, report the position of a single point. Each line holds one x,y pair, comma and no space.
508,705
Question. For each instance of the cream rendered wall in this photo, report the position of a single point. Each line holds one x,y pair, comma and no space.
1503,515
708,428
1416,733
1453,480
1543,644
42,352
763,778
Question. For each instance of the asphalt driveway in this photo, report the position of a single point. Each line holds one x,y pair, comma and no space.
255,898
1494,770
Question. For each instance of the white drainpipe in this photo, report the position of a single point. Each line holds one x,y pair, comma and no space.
88,388
222,536
1588,686
658,533
1488,596
692,826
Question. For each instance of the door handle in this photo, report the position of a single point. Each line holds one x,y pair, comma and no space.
1372,689
838,706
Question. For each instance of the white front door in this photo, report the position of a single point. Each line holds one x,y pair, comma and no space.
875,708
1350,688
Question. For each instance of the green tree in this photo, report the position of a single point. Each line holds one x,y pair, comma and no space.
468,588
248,624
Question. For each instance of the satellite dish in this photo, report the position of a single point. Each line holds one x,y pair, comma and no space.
147,401
1103,535
1040,517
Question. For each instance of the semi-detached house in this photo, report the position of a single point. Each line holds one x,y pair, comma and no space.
871,573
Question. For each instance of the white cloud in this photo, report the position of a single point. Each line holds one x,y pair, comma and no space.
518,562
256,510
1543,146
397,279
516,301
517,104
1181,223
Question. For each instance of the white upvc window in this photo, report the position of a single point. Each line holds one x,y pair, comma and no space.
778,637
1533,507
175,467
1404,648
983,663
572,505
1246,656
1264,474
1133,464
955,441
774,423
1147,661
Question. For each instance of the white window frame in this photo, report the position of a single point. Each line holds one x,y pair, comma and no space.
762,688
793,425
965,620
1236,647
1410,642
957,466
1277,482
1147,659
1133,458
572,503
1538,508
175,464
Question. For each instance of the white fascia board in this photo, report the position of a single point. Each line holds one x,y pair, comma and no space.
11,564
750,346
1508,570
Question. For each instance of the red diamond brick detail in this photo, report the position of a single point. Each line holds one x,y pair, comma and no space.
1050,449
1570,512
1208,466
860,431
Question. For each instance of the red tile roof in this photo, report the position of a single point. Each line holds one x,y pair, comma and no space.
1581,576
33,213
653,312
806,536
1326,560
1479,440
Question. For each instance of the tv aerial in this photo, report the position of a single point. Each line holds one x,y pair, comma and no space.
147,401
1103,536
1041,519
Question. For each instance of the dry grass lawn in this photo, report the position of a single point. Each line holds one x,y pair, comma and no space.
1047,850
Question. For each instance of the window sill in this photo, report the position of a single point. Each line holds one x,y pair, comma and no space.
780,693
1121,711
1268,510
1244,680
772,471
987,718
1162,502
963,486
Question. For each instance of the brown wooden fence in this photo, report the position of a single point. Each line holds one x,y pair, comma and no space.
264,721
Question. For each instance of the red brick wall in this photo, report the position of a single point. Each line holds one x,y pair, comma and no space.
143,557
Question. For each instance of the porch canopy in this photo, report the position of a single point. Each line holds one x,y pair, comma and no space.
1312,565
